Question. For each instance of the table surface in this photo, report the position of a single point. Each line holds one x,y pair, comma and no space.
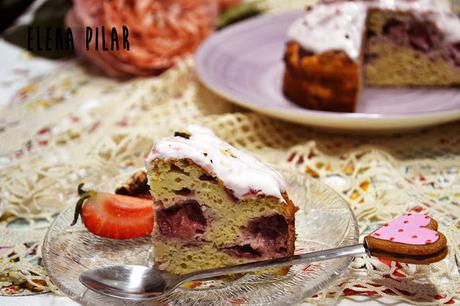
436,148
17,69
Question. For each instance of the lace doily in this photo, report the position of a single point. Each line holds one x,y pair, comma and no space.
91,129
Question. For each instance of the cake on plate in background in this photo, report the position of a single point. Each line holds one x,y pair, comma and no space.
339,46
215,205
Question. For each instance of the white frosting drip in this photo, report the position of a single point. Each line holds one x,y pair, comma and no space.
244,174
331,27
340,25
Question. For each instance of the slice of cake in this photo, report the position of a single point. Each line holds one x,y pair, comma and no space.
340,45
215,205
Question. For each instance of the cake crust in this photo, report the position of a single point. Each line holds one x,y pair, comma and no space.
327,81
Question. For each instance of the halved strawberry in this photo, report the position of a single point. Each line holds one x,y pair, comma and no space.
114,216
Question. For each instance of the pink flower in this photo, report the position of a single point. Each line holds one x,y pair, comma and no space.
160,32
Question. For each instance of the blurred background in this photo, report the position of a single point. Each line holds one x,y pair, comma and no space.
160,32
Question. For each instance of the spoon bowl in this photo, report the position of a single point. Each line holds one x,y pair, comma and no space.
126,281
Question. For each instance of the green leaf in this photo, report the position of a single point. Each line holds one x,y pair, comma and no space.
50,14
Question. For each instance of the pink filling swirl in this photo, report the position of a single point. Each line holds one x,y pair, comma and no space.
265,237
184,220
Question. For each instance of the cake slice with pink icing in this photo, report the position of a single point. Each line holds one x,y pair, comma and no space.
215,205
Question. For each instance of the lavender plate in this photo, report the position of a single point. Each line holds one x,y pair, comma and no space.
243,63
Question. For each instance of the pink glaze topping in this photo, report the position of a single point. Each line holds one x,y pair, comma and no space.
244,174
408,229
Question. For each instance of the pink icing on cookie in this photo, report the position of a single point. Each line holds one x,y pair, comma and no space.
408,229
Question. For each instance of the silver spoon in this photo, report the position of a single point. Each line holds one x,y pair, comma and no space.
133,282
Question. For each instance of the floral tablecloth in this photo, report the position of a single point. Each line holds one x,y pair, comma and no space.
66,126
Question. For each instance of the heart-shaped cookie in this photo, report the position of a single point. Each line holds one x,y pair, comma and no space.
411,236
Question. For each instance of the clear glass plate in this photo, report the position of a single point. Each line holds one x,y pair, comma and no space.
323,221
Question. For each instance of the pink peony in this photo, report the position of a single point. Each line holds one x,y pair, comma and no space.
160,32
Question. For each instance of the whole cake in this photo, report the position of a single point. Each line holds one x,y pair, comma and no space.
215,205
339,45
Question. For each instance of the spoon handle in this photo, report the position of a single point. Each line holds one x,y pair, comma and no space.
352,250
